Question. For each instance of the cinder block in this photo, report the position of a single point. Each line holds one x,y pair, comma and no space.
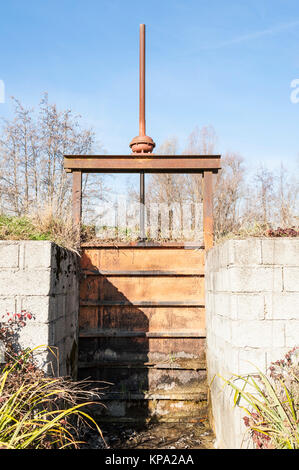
38,254
292,333
250,360
256,334
247,306
221,281
254,279
38,306
291,279
222,304
247,252
226,254
282,305
23,283
7,304
33,335
212,259
9,254
281,251
222,327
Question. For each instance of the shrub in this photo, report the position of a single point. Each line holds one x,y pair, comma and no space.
38,411
272,403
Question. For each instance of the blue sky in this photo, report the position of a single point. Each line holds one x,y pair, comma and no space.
225,63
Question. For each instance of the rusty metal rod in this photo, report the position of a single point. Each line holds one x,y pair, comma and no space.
142,81
142,206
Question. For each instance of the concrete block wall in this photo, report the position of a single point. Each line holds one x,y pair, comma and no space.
43,279
252,316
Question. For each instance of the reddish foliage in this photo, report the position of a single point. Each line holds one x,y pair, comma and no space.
283,232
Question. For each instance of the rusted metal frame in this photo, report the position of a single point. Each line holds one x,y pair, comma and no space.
142,207
141,303
151,245
208,229
100,272
142,81
77,201
148,163
142,143
141,365
99,333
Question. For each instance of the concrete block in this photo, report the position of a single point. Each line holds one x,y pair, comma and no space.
243,279
292,333
281,251
247,252
9,254
222,327
256,334
222,280
291,279
7,304
247,306
38,306
250,360
25,283
222,304
226,254
37,254
33,335
282,306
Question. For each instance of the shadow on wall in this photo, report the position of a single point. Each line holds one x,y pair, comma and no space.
113,346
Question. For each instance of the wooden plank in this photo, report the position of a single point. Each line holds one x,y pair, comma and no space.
100,333
134,164
137,289
134,259
192,364
151,379
99,244
130,350
144,319
146,350
101,272
142,303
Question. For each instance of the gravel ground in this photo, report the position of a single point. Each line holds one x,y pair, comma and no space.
152,436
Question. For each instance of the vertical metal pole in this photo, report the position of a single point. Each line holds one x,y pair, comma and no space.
77,202
142,81
142,206
208,230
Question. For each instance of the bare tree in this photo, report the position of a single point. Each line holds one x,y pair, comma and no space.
32,146
229,192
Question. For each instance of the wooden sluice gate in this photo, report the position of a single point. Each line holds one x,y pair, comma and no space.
142,327
142,304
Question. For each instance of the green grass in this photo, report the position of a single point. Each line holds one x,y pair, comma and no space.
17,228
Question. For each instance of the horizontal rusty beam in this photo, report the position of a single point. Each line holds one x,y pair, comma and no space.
137,303
153,245
182,273
113,333
179,396
201,365
148,163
